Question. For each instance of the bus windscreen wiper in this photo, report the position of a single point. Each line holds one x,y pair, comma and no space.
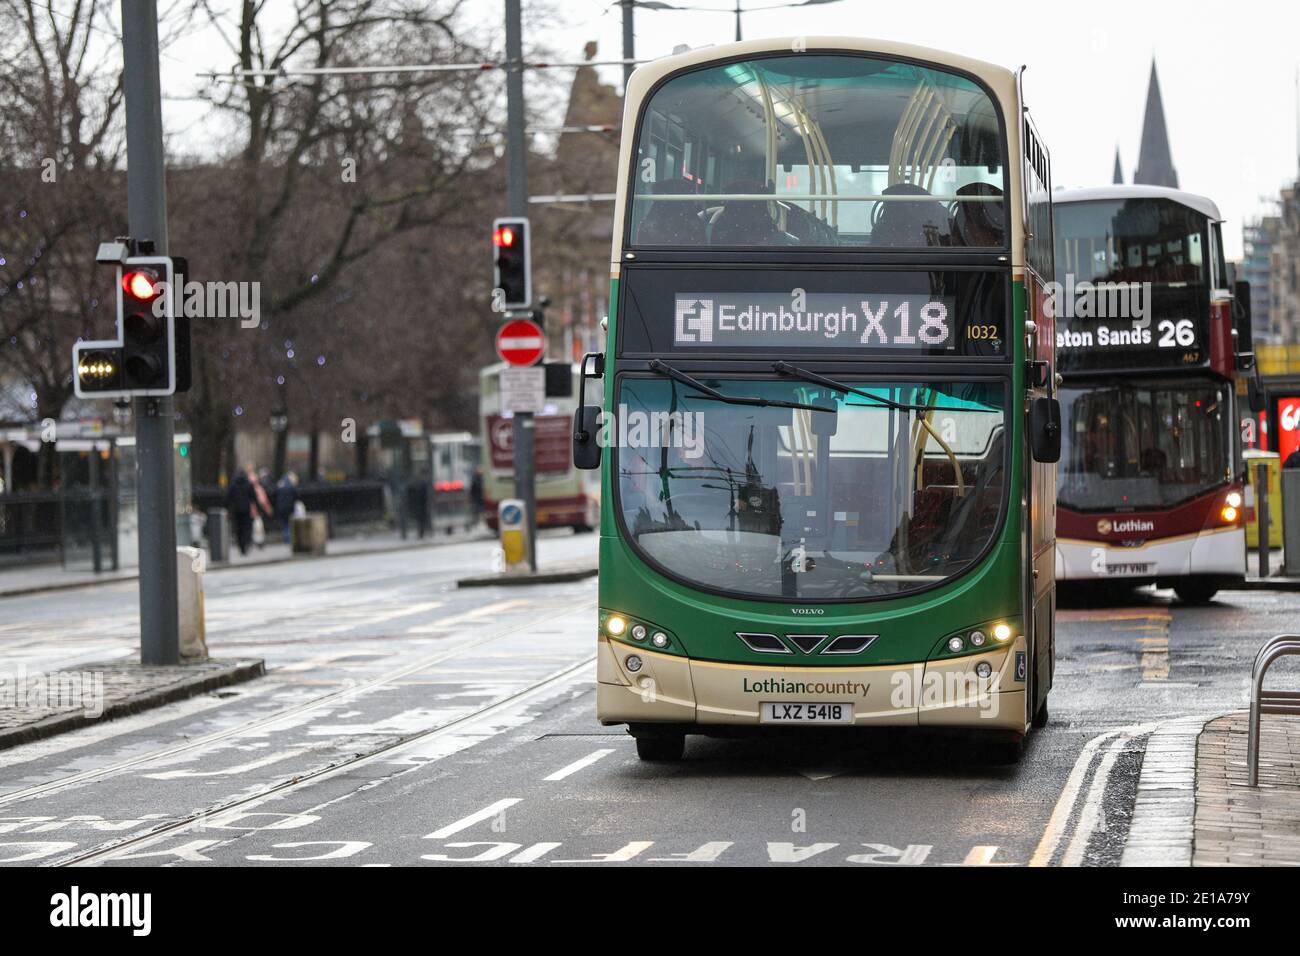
794,371
713,394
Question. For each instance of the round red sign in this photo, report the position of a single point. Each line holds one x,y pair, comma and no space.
521,342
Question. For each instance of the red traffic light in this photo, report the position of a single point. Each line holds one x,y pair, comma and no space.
504,237
141,284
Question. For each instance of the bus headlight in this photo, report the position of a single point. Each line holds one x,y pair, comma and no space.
633,663
1002,633
977,638
616,625
1229,514
638,632
660,639
1233,500
983,669
955,643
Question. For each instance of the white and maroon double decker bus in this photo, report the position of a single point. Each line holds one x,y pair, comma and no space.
1150,477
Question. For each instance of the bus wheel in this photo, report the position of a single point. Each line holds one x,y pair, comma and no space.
1195,592
661,748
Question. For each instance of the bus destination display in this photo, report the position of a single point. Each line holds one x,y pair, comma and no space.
1114,325
730,320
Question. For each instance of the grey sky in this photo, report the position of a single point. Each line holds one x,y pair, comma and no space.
1227,72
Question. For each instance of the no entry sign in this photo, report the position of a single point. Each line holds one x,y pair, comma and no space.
521,342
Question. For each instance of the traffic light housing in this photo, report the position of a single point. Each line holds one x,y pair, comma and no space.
512,259
151,355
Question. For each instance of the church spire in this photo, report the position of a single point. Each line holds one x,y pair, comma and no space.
1118,176
1155,164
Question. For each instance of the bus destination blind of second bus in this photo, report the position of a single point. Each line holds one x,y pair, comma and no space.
820,320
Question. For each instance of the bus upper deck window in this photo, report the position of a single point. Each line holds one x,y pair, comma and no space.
820,150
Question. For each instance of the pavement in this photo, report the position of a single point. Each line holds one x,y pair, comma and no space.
53,577
37,705
1277,578
405,721
1237,825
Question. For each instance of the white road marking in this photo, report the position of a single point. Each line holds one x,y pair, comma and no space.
789,853
464,823
577,765
1090,813
380,617
231,771
980,856
622,855
485,611
1090,816
1064,808
533,853
708,853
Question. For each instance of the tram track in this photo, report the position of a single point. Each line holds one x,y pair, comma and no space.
342,694
319,774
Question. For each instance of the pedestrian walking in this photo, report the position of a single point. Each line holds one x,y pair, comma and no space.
417,504
240,504
261,509
286,497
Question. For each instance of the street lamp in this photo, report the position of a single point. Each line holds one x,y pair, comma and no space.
122,413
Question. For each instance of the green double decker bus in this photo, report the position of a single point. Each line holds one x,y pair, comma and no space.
828,426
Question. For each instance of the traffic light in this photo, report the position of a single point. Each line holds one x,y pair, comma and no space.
512,260
97,370
151,353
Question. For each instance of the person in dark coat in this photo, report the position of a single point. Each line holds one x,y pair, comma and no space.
240,501
417,503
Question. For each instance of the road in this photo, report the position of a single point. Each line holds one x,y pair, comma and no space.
403,721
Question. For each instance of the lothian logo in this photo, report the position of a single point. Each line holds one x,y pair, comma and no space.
1128,525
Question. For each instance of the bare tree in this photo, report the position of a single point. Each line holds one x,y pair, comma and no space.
329,171
60,155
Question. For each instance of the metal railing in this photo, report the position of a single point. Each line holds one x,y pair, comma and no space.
1268,702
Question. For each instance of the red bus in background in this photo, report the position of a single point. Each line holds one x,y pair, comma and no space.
566,496
1149,486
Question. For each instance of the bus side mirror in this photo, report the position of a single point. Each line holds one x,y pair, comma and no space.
1255,396
1045,430
586,421
586,432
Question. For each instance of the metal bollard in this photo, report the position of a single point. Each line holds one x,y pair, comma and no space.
192,632
1261,513
218,536
1268,702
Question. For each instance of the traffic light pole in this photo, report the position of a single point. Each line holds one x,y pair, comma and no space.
147,217
517,205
